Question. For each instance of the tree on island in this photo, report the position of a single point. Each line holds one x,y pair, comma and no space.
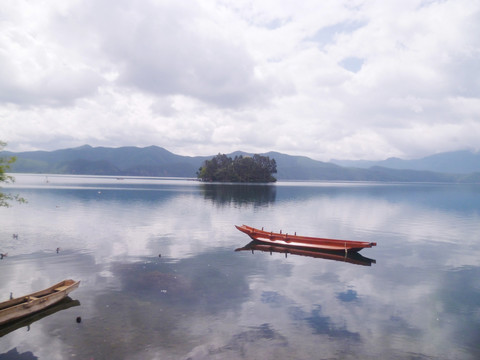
4,178
222,168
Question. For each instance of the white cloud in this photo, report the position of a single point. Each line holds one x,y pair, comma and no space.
36,70
327,80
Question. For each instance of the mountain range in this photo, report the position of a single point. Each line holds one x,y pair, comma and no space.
460,166
455,162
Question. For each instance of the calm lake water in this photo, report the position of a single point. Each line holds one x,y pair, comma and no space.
160,277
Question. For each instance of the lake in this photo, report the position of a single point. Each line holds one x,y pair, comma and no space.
160,277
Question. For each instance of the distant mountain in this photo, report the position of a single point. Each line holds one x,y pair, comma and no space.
455,162
133,161
156,161
303,168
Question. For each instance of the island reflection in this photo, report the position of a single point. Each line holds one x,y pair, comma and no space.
226,194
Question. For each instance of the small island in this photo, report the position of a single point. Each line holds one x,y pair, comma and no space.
244,169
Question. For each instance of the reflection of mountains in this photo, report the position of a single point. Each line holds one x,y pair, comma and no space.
256,194
27,321
350,257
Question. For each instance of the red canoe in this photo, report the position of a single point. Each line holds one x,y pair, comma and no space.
304,241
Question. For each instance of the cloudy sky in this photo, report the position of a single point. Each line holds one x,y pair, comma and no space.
358,79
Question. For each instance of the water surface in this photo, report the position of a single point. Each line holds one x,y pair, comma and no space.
160,277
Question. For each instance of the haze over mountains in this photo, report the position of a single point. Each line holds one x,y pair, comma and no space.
460,166
455,162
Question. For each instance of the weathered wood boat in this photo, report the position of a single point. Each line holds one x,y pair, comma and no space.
20,307
349,257
304,241
30,319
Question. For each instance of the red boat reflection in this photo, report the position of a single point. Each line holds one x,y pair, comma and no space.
350,257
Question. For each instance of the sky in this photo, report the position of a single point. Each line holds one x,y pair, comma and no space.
331,79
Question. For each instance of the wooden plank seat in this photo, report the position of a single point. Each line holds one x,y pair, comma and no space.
62,288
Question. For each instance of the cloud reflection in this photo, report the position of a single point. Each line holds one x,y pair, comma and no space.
201,299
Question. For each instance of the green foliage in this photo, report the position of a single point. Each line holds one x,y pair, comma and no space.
241,169
4,166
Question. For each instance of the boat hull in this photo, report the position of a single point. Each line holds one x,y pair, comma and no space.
20,307
297,241
30,319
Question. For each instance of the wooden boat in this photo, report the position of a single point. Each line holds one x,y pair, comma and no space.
304,241
29,320
23,306
349,257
